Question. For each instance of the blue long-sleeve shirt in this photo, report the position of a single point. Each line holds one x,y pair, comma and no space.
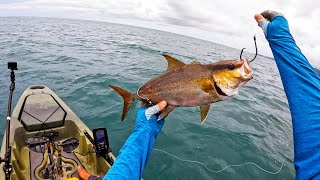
135,152
302,87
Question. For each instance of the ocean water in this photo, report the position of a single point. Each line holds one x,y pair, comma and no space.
78,59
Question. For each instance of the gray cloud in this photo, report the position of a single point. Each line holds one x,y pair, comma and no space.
187,14
178,22
226,22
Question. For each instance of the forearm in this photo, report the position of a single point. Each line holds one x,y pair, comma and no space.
302,87
133,155
299,78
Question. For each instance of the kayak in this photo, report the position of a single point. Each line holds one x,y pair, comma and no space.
49,140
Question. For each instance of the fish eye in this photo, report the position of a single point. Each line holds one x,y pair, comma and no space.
231,67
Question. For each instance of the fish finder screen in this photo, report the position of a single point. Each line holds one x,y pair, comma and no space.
101,138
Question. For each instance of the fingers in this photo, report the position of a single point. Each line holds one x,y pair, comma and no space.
269,15
262,22
162,105
155,109
259,18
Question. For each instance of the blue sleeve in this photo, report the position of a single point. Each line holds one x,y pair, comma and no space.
135,152
302,87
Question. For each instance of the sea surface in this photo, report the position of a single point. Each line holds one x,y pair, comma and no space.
77,59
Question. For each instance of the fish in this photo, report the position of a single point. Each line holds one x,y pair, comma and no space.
189,85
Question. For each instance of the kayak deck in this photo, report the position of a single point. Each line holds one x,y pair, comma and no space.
41,118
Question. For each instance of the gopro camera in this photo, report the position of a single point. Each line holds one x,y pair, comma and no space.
13,65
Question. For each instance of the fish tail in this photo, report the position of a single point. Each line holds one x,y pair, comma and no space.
128,98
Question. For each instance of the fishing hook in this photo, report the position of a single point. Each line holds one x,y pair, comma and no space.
255,44
242,52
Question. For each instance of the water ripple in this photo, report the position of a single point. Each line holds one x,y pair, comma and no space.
78,59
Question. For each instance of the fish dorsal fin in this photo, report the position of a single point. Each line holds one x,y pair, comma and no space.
195,62
173,63
165,112
204,109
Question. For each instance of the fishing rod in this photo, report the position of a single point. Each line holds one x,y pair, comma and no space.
7,167
255,44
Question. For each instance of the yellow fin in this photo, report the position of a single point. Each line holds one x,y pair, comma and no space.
204,109
206,84
195,62
173,63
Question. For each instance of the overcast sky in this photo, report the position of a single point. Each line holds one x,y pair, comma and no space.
225,22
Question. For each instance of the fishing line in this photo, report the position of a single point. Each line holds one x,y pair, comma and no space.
214,171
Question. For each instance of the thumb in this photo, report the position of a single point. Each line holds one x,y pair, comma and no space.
259,18
155,109
262,22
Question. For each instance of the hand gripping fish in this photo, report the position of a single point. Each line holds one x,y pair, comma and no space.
192,84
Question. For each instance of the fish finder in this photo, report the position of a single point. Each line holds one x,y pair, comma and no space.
101,141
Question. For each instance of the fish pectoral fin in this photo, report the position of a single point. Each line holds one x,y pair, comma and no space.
166,112
195,62
173,63
206,84
204,109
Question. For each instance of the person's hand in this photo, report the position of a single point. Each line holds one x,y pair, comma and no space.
85,175
149,116
264,18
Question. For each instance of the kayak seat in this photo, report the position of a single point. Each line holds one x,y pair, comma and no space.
41,111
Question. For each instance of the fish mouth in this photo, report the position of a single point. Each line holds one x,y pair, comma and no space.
228,83
246,71
218,90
